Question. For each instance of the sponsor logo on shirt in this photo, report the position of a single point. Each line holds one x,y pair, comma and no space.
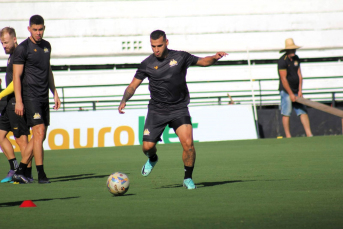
146,132
173,63
46,50
35,50
296,63
37,116
156,67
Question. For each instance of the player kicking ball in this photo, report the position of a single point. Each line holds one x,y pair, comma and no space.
166,70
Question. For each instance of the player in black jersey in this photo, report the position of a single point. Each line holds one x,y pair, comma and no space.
166,70
32,60
9,120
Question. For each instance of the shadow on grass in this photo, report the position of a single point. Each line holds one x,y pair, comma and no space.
214,183
125,195
206,184
77,177
18,203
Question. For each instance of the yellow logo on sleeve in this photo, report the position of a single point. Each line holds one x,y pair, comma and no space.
46,50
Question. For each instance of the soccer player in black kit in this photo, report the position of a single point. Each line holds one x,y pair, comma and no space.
31,59
166,70
9,120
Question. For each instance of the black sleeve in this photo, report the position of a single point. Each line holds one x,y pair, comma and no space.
141,72
20,55
282,65
190,59
298,59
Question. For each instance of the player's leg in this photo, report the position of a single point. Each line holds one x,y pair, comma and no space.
285,123
306,123
286,110
26,155
20,131
301,111
36,117
185,134
39,132
5,144
7,149
153,129
182,126
149,149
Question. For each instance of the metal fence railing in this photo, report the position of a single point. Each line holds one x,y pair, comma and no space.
263,95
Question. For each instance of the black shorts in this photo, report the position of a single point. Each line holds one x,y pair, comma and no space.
37,112
156,122
10,121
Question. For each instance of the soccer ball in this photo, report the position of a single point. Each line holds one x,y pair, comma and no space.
118,183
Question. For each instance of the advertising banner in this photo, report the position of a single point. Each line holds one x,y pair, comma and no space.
87,129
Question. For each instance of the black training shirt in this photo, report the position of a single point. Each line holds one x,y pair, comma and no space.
167,79
36,61
9,78
291,67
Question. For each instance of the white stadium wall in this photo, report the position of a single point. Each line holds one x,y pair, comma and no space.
102,29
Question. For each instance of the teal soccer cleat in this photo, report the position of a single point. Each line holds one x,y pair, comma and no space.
189,184
9,176
147,168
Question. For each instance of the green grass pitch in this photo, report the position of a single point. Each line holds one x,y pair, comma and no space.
265,183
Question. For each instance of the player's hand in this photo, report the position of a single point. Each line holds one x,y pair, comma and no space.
121,107
220,55
57,102
292,97
300,94
19,108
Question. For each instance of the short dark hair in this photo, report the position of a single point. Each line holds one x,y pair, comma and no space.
36,20
157,34
8,30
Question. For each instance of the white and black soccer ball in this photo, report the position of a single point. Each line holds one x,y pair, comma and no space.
118,183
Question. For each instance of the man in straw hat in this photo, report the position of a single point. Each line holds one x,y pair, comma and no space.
290,87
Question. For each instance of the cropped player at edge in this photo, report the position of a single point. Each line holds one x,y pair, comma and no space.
9,120
166,70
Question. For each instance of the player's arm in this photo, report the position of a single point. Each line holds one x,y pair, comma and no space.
129,92
209,60
8,90
17,72
300,92
285,84
53,89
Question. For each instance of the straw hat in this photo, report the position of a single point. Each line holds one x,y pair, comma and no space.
289,44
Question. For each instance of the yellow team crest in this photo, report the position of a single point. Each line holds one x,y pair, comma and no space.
46,50
156,67
146,132
173,63
35,50
37,116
